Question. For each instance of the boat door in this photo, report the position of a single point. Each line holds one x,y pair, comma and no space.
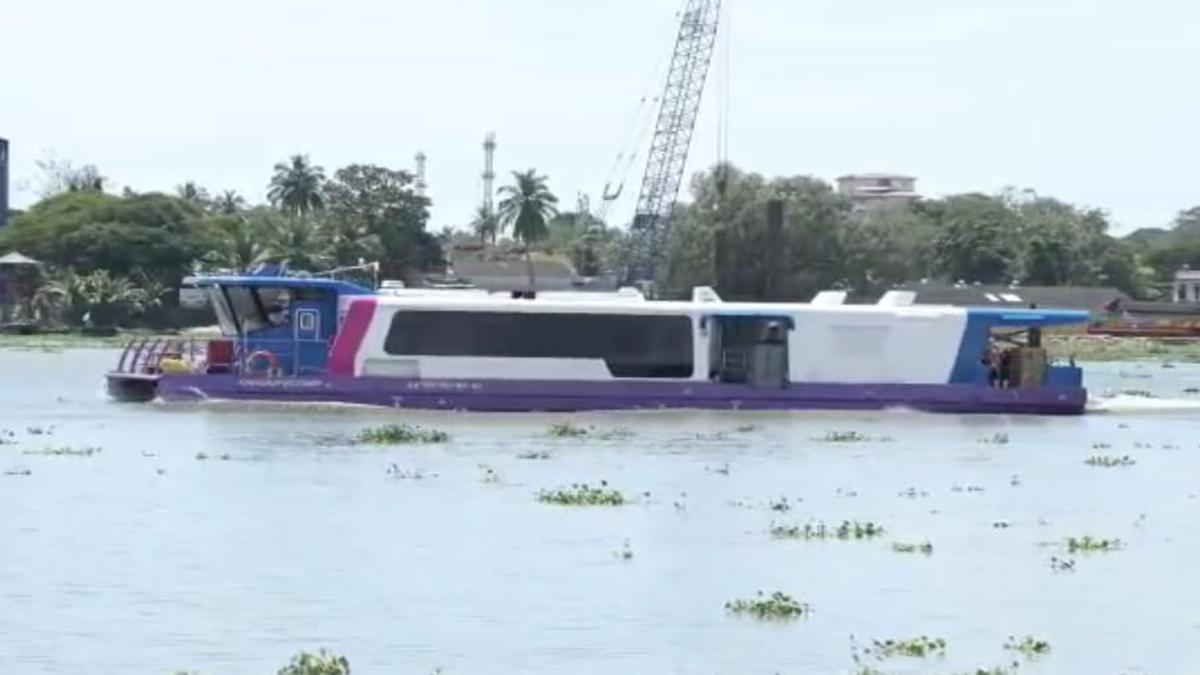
308,324
750,349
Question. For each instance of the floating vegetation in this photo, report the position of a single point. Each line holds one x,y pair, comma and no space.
777,606
534,455
1015,481
846,493
1010,669
1109,461
1029,646
489,475
64,452
967,488
321,663
1192,390
918,647
583,495
924,548
1089,544
913,493
18,472
820,531
996,439
1135,393
1062,564
400,434
40,431
746,429
1101,446
568,430
1001,525
398,473
617,434
781,506
201,456
845,437
720,470
625,552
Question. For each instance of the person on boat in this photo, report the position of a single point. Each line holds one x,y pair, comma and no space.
991,361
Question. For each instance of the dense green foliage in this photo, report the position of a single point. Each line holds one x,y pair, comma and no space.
1016,237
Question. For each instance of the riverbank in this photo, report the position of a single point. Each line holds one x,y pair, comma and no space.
1098,348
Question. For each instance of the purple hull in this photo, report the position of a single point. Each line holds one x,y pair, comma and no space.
555,396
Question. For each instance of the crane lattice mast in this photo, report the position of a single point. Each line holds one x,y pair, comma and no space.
667,159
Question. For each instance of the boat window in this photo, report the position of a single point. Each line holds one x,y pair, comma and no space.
221,307
636,346
277,304
245,308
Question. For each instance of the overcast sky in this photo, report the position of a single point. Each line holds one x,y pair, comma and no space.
1093,101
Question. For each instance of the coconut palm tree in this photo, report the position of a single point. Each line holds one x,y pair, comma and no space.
193,194
298,188
348,240
240,241
229,203
297,243
485,225
525,206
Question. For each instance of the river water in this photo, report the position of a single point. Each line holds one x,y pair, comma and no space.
143,558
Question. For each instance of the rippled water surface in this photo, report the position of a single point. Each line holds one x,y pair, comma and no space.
145,559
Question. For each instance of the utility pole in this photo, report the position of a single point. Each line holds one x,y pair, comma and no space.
489,174
3,182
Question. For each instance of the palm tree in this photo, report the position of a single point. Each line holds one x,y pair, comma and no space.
298,188
229,203
296,242
485,225
348,240
525,206
193,194
240,240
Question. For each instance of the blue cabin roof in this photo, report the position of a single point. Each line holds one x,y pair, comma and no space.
341,287
1027,318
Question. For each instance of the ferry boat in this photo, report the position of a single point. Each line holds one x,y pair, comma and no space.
320,340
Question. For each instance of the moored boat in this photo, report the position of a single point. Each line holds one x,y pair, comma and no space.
318,340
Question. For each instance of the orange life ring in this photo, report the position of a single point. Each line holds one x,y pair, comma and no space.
272,363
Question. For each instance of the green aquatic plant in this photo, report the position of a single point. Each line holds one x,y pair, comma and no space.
974,489
583,495
777,606
782,505
996,439
1029,646
534,454
1087,544
1062,564
1010,669
489,475
918,647
618,434
398,473
1101,446
568,430
201,456
913,493
845,437
321,663
18,472
400,434
39,431
625,552
746,429
64,452
818,531
1109,461
924,548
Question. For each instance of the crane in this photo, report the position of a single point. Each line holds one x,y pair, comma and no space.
667,159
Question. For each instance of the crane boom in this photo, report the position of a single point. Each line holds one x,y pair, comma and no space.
667,159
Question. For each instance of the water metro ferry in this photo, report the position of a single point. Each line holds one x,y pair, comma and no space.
320,340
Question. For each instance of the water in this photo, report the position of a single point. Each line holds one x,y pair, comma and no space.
144,559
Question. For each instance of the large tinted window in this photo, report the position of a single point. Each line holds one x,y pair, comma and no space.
632,346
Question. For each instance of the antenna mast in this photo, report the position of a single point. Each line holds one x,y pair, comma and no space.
421,184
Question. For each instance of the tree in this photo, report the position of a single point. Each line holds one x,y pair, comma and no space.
297,243
485,225
229,203
99,298
193,194
525,206
157,234
347,241
976,240
297,188
59,176
375,200
241,240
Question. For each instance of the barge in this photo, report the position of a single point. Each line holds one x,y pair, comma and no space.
307,340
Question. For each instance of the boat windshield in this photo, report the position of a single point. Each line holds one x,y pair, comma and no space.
251,309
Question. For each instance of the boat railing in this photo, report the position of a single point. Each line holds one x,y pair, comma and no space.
146,356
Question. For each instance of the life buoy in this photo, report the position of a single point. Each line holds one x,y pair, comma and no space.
271,361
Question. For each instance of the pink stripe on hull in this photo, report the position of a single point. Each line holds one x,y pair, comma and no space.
350,338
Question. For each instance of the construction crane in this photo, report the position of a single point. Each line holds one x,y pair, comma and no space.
667,159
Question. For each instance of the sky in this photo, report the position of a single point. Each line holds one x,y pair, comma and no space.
1090,101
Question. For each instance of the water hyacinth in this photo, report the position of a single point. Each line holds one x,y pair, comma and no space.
845,437
400,434
1109,462
924,548
583,495
848,530
1087,544
321,663
64,452
1028,646
918,647
777,606
568,430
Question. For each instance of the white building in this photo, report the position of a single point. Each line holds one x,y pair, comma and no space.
871,191
1187,286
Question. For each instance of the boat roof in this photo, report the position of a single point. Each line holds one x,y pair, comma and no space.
342,287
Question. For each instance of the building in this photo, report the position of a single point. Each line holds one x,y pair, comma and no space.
1187,286
877,191
3,182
